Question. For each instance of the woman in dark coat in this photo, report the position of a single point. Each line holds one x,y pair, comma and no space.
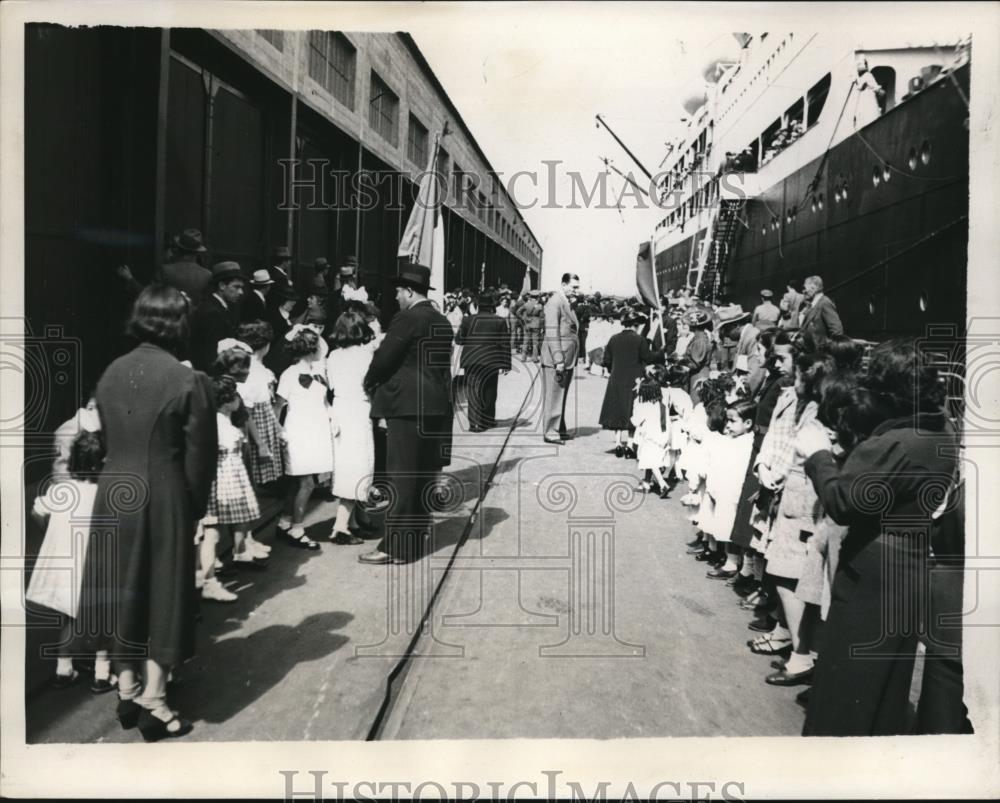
624,356
880,596
160,429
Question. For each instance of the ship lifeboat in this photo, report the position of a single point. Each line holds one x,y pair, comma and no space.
693,99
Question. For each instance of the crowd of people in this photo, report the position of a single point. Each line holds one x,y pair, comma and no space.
244,387
801,453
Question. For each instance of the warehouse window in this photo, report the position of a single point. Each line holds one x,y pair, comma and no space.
275,38
332,60
416,143
383,110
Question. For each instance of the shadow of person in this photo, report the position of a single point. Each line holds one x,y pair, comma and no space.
232,674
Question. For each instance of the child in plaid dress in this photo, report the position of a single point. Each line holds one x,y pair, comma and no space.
266,464
232,504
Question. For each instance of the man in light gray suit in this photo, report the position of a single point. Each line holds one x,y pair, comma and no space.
560,342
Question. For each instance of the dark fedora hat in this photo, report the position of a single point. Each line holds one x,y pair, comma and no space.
227,270
282,252
698,317
416,276
286,293
321,263
189,240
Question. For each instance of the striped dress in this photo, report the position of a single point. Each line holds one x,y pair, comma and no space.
256,395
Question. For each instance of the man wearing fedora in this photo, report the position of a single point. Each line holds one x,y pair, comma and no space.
281,268
218,316
765,315
183,272
699,350
560,341
280,316
255,303
409,383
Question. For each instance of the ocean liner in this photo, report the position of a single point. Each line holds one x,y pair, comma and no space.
809,154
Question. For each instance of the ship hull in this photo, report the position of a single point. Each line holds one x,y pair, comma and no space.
893,253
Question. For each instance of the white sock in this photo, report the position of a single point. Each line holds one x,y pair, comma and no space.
102,666
798,663
64,666
730,565
781,633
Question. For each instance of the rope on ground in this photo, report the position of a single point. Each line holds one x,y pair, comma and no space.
374,731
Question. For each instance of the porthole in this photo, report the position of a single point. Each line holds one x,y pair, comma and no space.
876,176
871,305
911,161
925,152
886,172
922,301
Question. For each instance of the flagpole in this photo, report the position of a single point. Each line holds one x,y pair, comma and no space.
656,288
434,164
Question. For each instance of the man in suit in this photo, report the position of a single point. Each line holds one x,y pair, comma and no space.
409,382
280,317
560,341
182,271
485,342
820,320
255,303
765,315
218,315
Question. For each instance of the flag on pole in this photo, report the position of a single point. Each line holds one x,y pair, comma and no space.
645,278
526,284
423,238
646,283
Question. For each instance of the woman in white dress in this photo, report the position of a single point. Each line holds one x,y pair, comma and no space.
351,349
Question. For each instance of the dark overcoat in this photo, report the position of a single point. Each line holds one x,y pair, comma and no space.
159,425
624,356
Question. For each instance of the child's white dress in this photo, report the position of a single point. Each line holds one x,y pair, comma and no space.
728,458
650,437
307,420
58,573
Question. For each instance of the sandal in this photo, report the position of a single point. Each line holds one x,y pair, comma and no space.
345,539
300,539
768,644
153,728
64,681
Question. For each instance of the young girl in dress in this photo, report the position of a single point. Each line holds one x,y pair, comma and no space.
257,392
679,408
711,443
66,507
232,503
235,359
302,391
351,350
652,432
728,459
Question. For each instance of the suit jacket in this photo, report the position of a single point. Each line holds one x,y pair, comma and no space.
765,316
821,320
210,323
188,277
560,340
485,341
254,308
410,374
